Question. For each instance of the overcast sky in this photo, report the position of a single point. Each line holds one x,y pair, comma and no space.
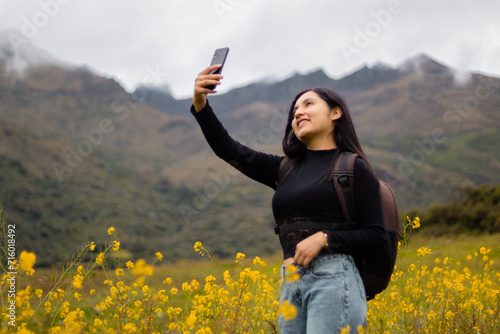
171,41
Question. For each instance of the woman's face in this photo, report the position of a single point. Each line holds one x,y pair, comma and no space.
313,120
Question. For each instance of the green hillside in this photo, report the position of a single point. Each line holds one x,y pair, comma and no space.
78,154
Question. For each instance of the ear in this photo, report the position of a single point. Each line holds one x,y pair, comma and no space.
336,113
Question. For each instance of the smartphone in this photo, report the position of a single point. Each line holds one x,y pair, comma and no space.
219,57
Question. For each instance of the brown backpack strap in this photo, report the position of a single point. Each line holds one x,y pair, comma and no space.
343,181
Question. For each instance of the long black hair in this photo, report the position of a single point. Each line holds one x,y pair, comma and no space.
344,132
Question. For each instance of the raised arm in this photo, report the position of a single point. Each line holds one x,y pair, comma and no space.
259,166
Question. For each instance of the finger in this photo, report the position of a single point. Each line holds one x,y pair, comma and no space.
298,259
210,69
207,81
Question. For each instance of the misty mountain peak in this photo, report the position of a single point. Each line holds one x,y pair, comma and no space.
422,62
19,53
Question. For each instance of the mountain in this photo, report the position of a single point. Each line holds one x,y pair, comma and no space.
427,127
79,154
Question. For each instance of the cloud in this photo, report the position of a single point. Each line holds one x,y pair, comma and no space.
126,39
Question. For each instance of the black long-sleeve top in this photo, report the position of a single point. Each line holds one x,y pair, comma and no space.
304,195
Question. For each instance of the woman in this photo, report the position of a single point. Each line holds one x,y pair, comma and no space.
329,294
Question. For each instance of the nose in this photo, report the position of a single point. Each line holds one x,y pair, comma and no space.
298,113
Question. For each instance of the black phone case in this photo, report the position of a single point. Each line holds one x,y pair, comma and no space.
219,57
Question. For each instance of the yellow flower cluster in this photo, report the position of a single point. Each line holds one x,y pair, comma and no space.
448,298
426,295
27,261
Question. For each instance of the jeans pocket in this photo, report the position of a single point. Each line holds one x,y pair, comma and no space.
331,269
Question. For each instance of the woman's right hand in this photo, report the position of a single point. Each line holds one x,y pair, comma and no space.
200,91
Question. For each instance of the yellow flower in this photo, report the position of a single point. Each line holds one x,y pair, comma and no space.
186,287
174,291
197,246
416,223
210,278
291,273
92,292
484,251
159,256
422,251
92,246
116,246
119,272
259,261
111,230
141,268
345,330
240,257
191,320
130,328
288,310
77,281
130,265
100,259
27,262
78,296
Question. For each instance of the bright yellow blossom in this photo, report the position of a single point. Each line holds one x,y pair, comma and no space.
288,310
27,261
258,260
197,246
100,259
291,273
159,256
111,230
116,246
142,268
240,257
484,251
77,281
129,265
191,320
422,251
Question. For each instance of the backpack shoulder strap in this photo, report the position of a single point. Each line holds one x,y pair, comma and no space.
343,181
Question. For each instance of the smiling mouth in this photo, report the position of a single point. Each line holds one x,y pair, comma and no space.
299,123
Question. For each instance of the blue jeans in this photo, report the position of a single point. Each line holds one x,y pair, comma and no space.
328,296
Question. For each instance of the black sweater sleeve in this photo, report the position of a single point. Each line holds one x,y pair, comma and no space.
259,166
370,235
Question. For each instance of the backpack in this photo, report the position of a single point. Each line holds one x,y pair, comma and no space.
376,268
